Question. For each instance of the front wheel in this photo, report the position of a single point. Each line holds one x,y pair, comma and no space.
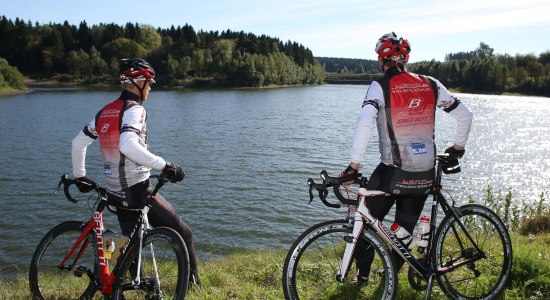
164,270
314,260
75,279
484,278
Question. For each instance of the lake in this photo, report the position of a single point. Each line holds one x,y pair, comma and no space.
247,155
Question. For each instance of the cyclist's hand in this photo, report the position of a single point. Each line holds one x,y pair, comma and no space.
173,172
85,184
453,150
350,171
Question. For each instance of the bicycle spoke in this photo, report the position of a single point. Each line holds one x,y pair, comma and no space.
48,280
164,270
317,262
484,276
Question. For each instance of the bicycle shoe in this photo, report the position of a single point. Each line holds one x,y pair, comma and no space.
362,280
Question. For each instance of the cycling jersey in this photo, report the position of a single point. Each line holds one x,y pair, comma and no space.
122,133
403,106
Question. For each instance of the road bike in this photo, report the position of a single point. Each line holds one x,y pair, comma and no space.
71,260
469,252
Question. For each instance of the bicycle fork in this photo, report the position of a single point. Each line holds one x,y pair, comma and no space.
360,214
138,279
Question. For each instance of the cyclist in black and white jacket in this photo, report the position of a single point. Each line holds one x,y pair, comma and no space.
402,105
122,131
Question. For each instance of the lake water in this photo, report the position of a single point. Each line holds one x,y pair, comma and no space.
247,155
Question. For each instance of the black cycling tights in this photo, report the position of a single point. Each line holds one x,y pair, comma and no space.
407,213
161,214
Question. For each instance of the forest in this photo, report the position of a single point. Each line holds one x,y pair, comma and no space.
179,54
182,56
479,71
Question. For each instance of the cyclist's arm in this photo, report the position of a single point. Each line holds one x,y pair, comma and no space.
131,145
78,148
459,111
366,122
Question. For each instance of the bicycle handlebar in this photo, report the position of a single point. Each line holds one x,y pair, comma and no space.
336,182
67,182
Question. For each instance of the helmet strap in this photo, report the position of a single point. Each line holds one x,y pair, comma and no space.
141,89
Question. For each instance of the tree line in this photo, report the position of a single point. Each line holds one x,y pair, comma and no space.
349,65
483,71
179,54
479,71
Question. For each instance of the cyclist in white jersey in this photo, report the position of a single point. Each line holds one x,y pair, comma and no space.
122,132
402,105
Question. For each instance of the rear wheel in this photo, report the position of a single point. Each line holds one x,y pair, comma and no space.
164,270
484,278
75,279
314,260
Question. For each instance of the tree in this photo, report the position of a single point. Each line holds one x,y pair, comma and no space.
148,37
10,76
123,47
483,51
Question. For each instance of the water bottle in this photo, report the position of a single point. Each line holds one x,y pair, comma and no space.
108,243
118,249
423,232
402,235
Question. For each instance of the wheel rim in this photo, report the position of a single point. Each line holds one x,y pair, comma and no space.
317,263
64,283
484,277
166,285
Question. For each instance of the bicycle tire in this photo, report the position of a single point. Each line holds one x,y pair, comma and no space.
313,262
47,281
485,278
172,261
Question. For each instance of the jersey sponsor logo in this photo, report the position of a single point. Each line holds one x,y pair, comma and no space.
419,148
414,183
411,87
105,127
415,103
446,104
107,169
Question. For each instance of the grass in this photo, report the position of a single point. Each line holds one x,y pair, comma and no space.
257,275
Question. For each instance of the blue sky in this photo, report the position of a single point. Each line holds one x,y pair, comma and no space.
334,28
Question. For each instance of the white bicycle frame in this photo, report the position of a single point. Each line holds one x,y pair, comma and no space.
362,214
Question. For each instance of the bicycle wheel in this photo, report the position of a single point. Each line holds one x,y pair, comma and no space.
73,281
164,271
313,262
484,278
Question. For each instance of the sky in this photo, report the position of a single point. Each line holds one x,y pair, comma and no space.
329,28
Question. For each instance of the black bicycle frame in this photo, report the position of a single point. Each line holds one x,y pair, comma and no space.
439,200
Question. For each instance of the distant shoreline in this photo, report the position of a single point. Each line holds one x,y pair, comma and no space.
33,86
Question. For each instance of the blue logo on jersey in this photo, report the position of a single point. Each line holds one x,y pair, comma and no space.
419,148
107,169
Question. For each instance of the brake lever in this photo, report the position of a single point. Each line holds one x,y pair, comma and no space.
310,183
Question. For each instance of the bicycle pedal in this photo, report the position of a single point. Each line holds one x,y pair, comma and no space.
81,270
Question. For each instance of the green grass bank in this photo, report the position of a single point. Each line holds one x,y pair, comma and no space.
256,274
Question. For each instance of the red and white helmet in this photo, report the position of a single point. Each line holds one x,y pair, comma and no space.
391,47
131,69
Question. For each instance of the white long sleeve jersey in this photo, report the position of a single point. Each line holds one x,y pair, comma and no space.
405,132
122,132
